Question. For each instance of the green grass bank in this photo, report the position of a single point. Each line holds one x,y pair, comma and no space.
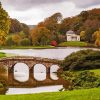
28,47
73,44
84,94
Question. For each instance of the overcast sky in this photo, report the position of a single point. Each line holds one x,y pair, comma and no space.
34,11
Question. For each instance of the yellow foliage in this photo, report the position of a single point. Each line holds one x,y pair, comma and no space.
82,35
2,37
40,36
96,37
97,42
16,38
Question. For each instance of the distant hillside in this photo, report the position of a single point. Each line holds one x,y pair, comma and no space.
17,26
84,24
31,26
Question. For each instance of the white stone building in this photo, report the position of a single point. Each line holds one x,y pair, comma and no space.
71,36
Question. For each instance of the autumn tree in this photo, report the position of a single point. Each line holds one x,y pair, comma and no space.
40,36
9,41
16,26
2,37
16,39
52,22
22,34
90,26
96,37
65,25
25,29
4,25
83,35
84,15
85,24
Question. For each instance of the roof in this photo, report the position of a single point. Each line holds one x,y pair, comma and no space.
70,32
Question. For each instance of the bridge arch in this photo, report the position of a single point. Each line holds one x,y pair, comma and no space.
21,72
53,72
39,72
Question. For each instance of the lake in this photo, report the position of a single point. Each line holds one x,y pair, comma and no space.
57,53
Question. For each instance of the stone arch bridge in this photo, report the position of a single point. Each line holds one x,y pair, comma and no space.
10,62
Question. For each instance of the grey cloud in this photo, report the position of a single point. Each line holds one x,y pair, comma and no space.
28,4
86,3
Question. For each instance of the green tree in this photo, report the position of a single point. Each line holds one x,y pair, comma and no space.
25,42
9,41
22,34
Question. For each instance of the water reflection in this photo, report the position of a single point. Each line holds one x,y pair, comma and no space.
53,72
39,72
21,72
34,90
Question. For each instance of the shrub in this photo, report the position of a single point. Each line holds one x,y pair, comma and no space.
54,43
83,79
3,86
82,60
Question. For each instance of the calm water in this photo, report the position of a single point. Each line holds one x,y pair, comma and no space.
34,90
58,53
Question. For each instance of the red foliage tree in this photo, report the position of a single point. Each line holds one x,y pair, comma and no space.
54,43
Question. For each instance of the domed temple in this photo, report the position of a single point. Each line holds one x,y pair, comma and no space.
72,36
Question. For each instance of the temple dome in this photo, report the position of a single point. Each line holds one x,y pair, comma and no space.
70,32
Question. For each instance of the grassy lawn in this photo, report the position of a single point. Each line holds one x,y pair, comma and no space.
84,94
2,55
96,71
5,55
28,47
73,43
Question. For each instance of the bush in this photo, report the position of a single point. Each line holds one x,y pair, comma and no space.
83,79
25,42
82,60
54,43
3,86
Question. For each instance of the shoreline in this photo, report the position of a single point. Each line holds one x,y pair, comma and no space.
47,47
